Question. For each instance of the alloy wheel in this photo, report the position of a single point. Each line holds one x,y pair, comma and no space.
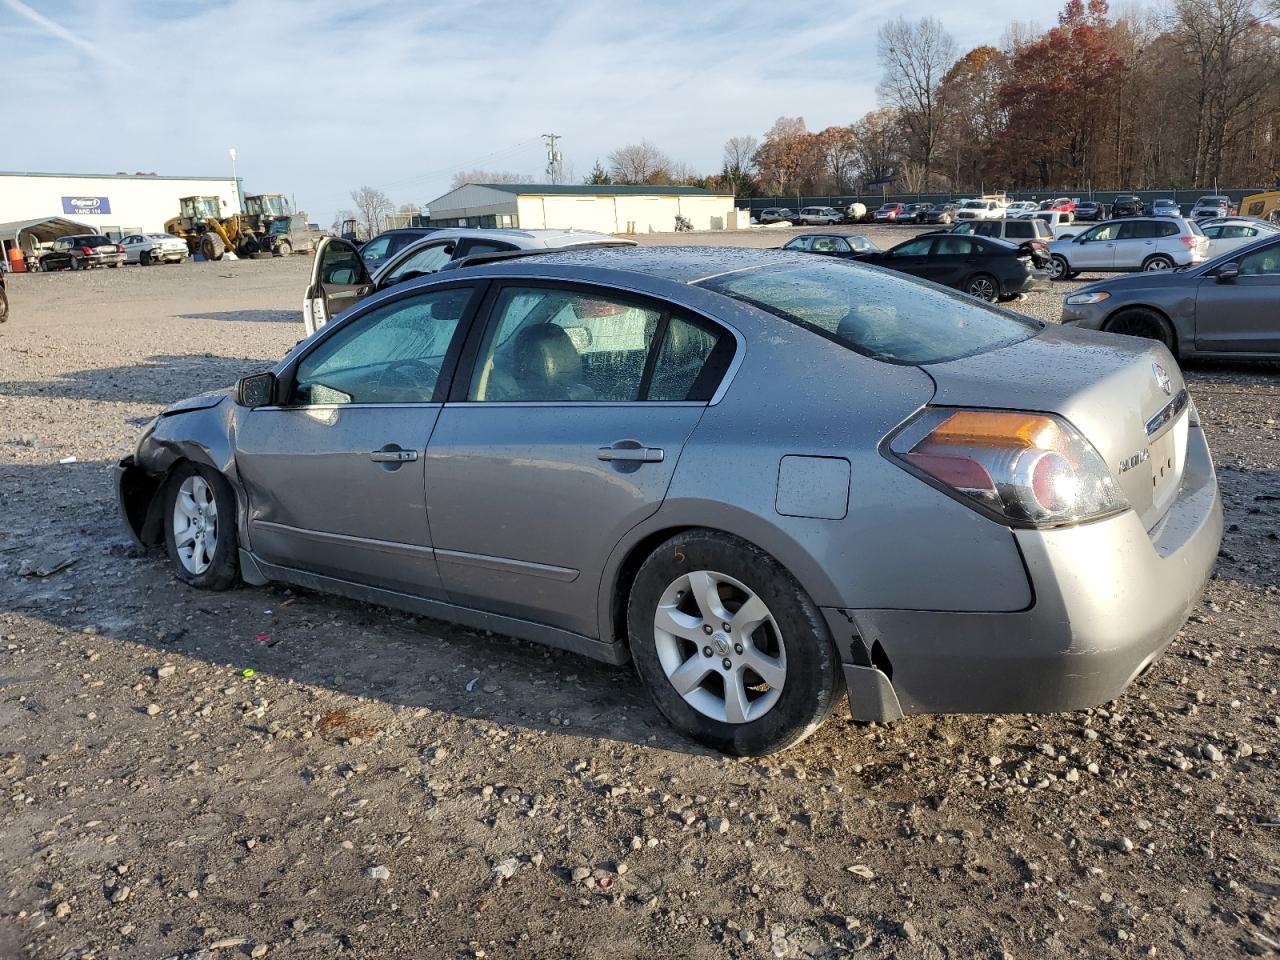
982,288
720,647
195,524
1157,263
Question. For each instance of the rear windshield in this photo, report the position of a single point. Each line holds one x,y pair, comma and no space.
93,241
884,316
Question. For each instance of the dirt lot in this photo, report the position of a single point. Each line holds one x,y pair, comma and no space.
388,786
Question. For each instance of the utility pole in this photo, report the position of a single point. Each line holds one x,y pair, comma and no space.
555,161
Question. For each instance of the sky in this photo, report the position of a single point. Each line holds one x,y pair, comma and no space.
319,97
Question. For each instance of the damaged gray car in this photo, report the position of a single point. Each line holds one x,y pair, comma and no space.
765,478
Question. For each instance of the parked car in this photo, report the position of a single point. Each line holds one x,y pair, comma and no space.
982,267
82,252
944,213
1166,208
1061,204
1127,205
1227,307
1123,246
1020,208
1090,210
1212,206
889,213
925,496
340,278
390,242
1231,233
914,213
984,208
1013,230
847,245
776,215
818,217
145,249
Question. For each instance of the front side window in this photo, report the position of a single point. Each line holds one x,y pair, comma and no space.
426,261
548,344
884,317
799,243
1261,263
340,265
1106,231
392,354
376,249
1139,230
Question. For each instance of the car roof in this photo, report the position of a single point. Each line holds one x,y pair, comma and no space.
685,265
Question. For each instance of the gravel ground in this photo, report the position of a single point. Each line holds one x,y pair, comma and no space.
269,772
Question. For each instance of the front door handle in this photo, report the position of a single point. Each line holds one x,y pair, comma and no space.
393,454
632,451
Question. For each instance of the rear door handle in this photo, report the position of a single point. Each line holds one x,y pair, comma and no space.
633,451
393,454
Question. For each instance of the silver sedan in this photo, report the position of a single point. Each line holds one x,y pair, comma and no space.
764,477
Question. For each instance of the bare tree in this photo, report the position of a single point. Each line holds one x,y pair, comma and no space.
372,206
915,58
489,176
639,163
739,163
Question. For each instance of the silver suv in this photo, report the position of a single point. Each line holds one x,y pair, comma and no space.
818,217
1130,245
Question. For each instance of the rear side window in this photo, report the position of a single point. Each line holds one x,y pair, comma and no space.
1022,230
691,361
1168,230
950,246
885,317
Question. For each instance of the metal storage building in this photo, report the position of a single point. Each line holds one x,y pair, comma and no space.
109,203
609,208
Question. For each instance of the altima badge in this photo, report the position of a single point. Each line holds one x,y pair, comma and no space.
1128,463
1162,378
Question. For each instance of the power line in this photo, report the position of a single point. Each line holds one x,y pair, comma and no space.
454,167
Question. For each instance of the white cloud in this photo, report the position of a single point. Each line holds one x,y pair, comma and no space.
321,97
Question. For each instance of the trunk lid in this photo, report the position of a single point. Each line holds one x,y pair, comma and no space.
1126,396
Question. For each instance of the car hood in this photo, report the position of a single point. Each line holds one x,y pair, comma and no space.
1109,387
1146,280
201,402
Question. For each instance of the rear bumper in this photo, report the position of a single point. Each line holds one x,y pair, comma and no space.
1109,599
1037,281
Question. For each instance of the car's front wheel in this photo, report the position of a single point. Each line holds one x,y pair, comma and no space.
1143,322
200,527
730,647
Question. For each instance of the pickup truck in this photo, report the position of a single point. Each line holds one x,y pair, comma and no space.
1061,225
984,209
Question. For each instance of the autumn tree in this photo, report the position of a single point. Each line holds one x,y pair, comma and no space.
914,58
788,156
639,163
838,150
878,146
975,117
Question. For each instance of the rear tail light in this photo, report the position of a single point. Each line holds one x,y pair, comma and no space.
1022,469
119,248
1190,242
88,251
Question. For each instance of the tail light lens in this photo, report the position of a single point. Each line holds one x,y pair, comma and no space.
1023,469
119,248
1190,242
88,251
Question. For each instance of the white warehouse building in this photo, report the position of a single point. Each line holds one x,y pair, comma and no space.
108,203
609,208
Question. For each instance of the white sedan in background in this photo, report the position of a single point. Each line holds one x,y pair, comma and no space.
1228,233
147,248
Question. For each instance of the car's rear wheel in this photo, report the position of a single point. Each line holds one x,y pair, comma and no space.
1059,269
1143,322
730,647
1158,262
200,527
76,263
984,287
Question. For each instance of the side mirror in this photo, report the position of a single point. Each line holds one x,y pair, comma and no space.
256,390
1227,272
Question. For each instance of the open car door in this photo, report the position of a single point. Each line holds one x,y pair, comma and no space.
339,279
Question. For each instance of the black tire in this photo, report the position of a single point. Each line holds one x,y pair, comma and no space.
814,678
144,258
1157,263
1144,322
224,567
248,247
4,306
212,247
1059,268
983,286
76,264
113,265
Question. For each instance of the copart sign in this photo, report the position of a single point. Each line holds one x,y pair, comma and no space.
86,205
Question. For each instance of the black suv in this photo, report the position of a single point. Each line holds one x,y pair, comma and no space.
83,251
1127,205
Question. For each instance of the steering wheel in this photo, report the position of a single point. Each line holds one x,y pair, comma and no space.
407,376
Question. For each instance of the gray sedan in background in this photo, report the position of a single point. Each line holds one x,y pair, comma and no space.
764,477
1228,307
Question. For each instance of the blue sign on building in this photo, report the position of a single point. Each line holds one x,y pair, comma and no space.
83,206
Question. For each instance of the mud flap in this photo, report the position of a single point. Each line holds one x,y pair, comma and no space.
871,694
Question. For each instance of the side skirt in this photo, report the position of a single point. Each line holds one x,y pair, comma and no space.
614,653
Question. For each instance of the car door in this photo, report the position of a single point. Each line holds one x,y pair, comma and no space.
1242,314
911,257
333,472
1095,249
950,261
339,280
563,436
